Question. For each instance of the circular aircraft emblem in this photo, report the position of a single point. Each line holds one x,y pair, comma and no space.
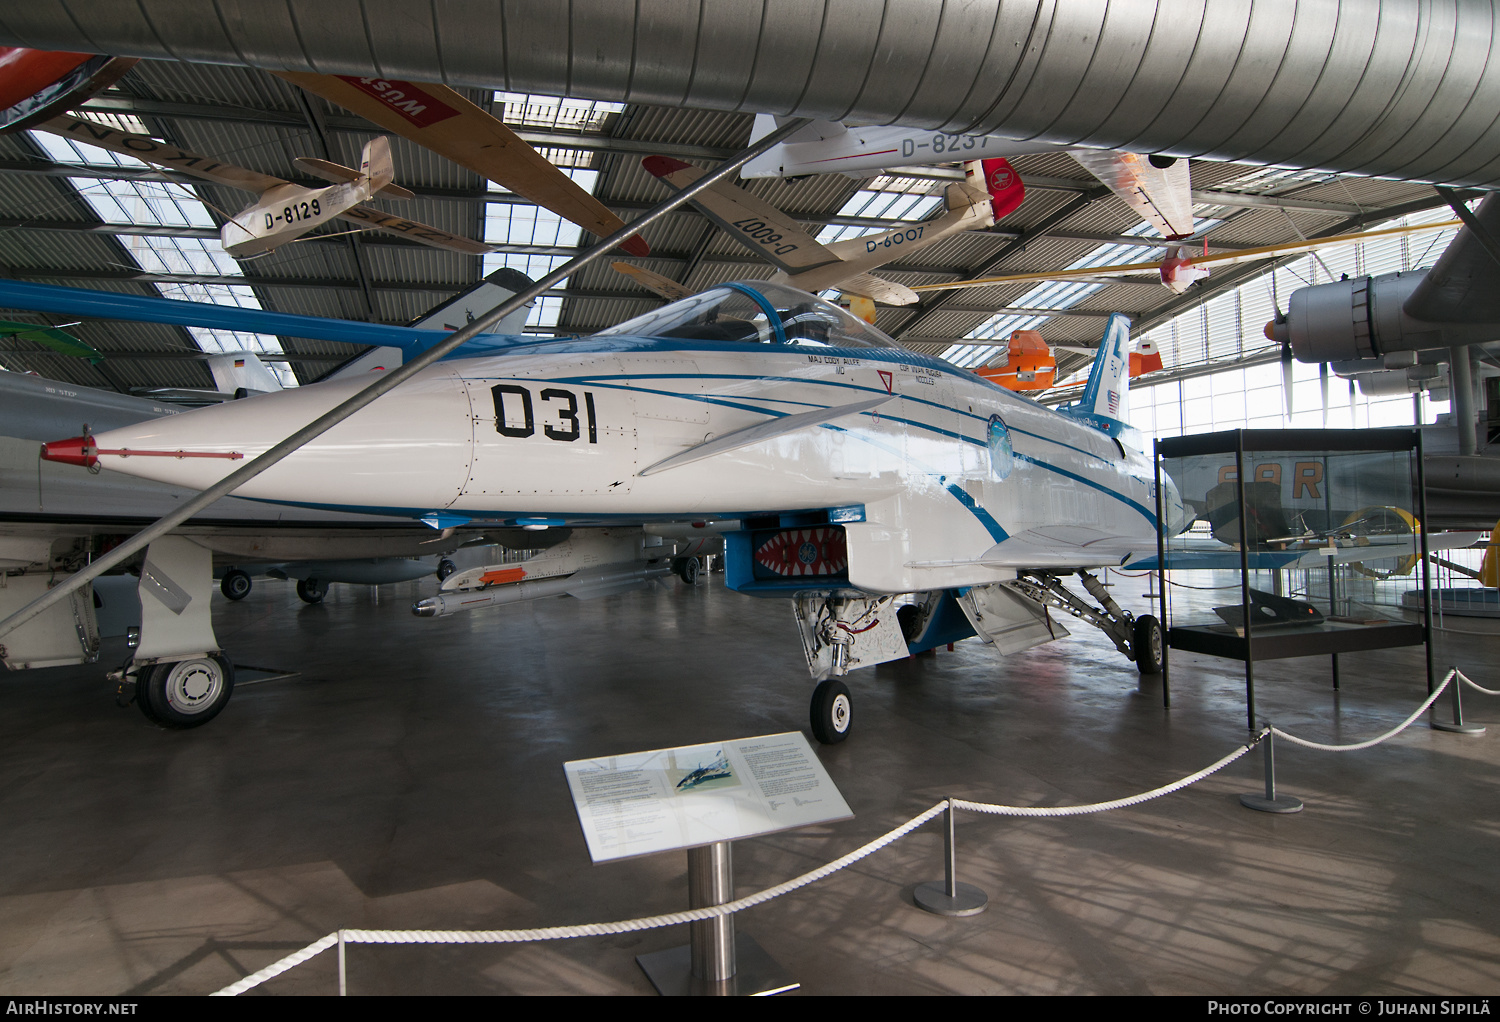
1002,454
1001,179
807,553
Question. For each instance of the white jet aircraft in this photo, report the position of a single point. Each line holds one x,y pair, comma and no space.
899,501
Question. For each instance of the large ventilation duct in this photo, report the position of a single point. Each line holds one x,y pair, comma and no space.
1395,88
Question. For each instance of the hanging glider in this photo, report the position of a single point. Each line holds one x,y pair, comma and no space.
284,211
440,119
1156,187
1029,364
990,191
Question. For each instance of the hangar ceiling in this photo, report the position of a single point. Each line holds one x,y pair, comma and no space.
81,219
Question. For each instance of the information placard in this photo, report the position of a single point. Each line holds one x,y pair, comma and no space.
655,801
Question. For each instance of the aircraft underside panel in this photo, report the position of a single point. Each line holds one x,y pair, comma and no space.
64,634
176,582
920,542
1008,620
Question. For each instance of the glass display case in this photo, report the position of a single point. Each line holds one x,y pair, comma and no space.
1276,543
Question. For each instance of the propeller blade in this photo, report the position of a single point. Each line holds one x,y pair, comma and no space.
1286,379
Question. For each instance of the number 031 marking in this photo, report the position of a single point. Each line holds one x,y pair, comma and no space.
565,427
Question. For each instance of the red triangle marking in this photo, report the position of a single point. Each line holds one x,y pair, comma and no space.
887,379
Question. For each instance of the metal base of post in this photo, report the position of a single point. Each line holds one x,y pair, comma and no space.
717,961
1279,804
1457,726
950,898
756,973
1271,801
1462,729
967,900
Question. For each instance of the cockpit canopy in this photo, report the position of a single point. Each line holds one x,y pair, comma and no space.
756,312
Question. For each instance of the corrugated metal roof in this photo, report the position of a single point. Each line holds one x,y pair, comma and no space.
256,120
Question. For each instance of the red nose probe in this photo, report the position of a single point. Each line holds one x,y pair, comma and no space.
80,450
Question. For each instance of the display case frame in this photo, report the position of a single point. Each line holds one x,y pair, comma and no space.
1245,634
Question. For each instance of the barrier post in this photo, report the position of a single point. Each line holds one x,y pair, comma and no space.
1458,726
1270,802
343,984
950,898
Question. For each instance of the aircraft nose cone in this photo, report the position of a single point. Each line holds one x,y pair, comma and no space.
79,450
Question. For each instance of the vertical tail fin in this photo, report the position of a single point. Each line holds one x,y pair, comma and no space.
1106,397
234,371
375,163
1000,180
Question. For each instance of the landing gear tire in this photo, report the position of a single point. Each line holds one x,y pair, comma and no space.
186,693
1148,644
831,712
235,585
311,590
687,570
445,568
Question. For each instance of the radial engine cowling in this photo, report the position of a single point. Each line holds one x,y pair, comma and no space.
1363,317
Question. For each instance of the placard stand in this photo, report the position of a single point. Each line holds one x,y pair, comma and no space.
714,962
700,798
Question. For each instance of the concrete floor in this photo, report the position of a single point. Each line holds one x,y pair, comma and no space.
411,777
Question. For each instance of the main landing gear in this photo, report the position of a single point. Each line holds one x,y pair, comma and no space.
235,584
1139,638
184,693
312,590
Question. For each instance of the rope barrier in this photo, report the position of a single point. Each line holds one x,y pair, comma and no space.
739,905
1453,673
1474,685
1119,803
583,930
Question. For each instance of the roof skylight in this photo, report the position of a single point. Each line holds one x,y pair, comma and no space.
886,198
521,109
165,204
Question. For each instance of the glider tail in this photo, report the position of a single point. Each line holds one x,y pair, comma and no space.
375,164
1000,180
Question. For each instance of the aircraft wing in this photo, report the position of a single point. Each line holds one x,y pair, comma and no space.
762,431
664,286
1222,259
886,292
1186,553
755,223
438,118
152,150
51,337
369,216
1464,285
1161,196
